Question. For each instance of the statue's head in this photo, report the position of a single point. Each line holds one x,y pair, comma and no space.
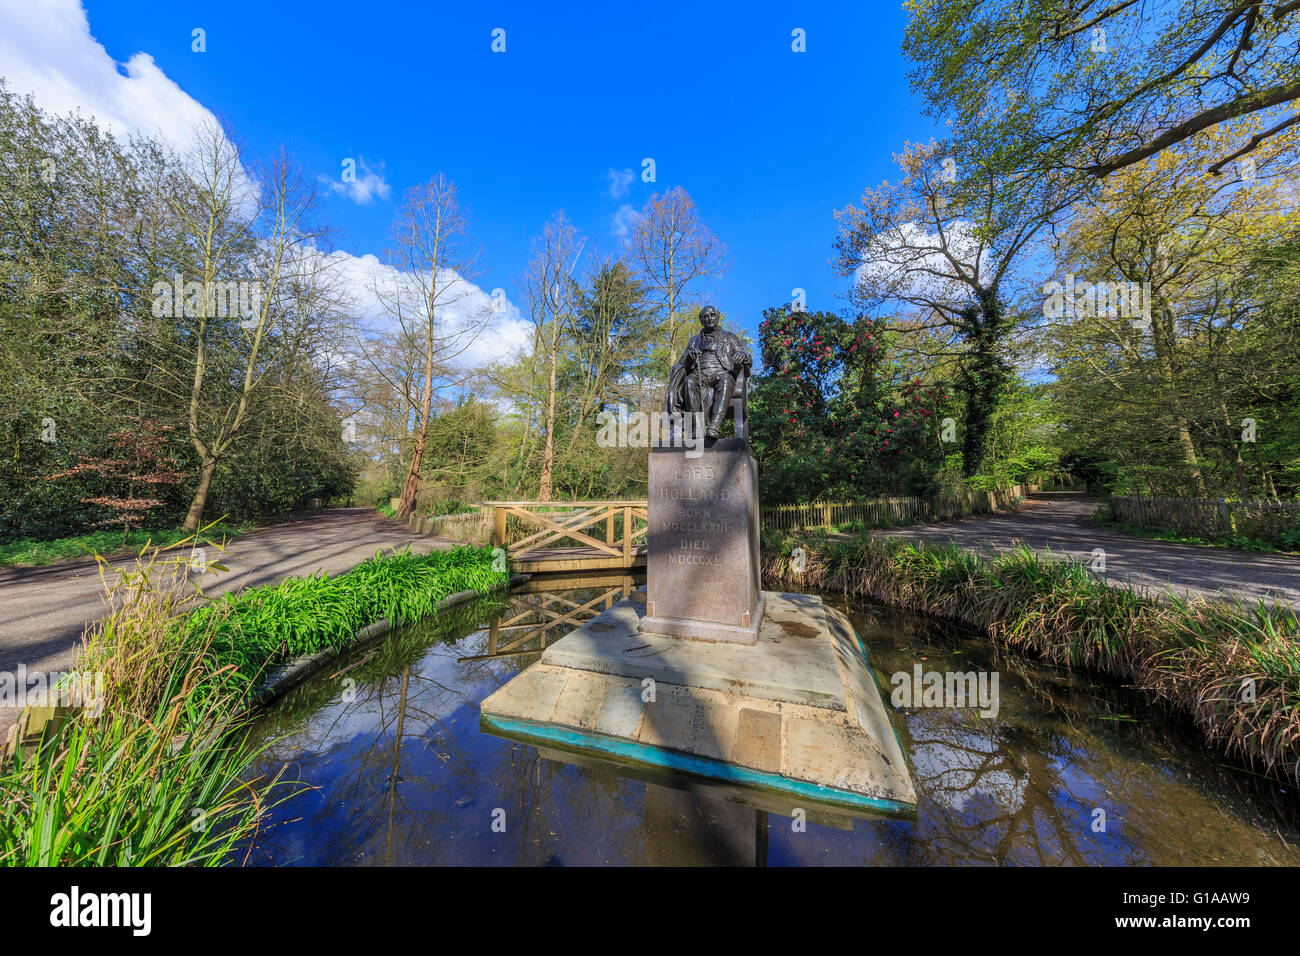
709,318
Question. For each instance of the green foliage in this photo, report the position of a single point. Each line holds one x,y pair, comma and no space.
264,625
832,418
156,773
82,353
1055,90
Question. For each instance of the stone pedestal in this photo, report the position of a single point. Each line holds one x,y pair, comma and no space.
796,717
702,571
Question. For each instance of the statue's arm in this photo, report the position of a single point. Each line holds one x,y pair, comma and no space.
742,354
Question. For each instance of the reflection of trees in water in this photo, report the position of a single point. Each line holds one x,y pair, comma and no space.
1022,787
405,775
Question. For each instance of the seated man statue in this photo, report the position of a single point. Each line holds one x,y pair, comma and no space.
714,367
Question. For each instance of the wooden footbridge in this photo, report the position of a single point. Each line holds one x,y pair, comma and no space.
543,537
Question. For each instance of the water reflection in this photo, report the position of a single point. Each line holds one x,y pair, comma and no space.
402,774
545,609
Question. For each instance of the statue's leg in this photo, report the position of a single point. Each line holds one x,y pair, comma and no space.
723,391
693,390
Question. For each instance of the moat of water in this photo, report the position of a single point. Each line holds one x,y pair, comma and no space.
399,772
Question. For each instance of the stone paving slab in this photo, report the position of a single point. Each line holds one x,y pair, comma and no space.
792,661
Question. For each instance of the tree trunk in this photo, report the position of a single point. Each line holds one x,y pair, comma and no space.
406,504
1164,343
986,377
195,515
545,485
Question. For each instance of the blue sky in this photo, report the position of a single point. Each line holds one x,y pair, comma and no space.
768,141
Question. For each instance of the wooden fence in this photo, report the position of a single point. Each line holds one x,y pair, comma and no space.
567,535
1209,517
472,527
881,512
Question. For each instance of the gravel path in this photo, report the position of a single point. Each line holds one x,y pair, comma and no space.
1058,522
43,610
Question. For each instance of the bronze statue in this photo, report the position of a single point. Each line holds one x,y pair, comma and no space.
711,378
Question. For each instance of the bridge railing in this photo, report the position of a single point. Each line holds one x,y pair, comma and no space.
614,529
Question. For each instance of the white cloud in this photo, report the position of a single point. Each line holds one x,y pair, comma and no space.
362,184
620,182
621,223
467,306
46,49
912,261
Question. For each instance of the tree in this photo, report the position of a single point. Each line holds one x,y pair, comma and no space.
1100,85
832,418
674,250
250,249
551,292
1164,388
431,273
142,460
944,246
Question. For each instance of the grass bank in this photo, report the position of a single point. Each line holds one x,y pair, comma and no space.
1288,544
263,626
153,768
1234,668
33,552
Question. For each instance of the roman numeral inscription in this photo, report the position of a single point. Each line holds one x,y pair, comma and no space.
703,537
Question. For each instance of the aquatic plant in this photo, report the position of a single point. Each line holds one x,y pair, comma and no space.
156,774
261,626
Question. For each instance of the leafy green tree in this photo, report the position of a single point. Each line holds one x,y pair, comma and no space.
1099,85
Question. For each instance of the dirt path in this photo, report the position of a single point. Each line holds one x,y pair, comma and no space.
1058,522
43,610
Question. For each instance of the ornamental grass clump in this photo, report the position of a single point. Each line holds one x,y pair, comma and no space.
1233,667
153,770
156,773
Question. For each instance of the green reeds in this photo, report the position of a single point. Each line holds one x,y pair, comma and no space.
150,768
264,625
154,770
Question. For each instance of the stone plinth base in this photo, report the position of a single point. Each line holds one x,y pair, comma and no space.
702,573
797,714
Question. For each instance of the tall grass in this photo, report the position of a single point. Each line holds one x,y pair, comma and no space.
1233,667
157,777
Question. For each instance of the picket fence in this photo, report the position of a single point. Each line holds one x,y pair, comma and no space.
1209,517
880,512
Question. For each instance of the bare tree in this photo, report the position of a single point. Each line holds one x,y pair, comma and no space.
252,248
674,250
430,274
551,291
